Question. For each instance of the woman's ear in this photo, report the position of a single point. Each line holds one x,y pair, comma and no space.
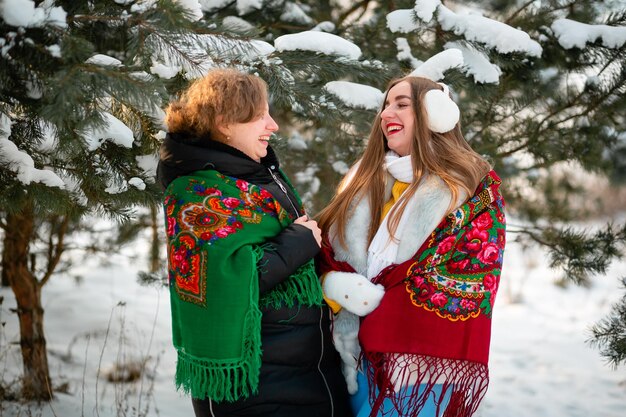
221,127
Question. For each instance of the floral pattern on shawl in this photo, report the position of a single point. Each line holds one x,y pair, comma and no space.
203,222
457,271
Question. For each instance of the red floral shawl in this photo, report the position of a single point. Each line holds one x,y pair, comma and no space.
433,326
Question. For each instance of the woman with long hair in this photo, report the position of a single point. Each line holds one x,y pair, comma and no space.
412,251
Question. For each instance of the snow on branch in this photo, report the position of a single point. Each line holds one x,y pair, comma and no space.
436,65
20,162
424,9
113,130
24,13
573,34
104,60
402,21
497,35
322,42
493,34
477,64
356,95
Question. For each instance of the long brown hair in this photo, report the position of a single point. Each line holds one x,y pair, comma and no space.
447,155
235,96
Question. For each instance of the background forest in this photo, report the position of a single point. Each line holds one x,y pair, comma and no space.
541,86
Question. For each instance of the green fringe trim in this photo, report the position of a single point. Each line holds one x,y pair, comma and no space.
302,287
227,379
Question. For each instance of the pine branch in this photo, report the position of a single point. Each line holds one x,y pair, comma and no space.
518,11
609,335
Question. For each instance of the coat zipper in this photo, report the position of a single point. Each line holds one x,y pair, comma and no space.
284,190
319,365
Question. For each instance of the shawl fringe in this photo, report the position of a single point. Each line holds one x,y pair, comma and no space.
224,380
303,287
463,384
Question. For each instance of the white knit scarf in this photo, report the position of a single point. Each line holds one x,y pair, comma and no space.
383,250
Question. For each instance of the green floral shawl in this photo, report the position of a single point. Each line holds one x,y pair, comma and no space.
216,230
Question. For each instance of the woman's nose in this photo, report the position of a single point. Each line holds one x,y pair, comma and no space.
271,125
386,114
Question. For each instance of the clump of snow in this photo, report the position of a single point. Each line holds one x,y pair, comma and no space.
324,26
115,188
340,167
436,65
259,48
404,53
325,43
20,162
55,50
247,6
297,143
113,130
424,9
104,60
402,20
356,95
500,36
294,13
237,24
137,183
164,71
213,5
573,34
193,9
49,139
24,13
477,64
148,164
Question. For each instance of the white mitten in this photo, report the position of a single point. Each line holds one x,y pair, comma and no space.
346,339
353,292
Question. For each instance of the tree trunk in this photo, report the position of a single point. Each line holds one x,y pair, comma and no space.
27,290
155,259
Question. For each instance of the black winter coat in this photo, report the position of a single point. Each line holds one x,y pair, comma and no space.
300,370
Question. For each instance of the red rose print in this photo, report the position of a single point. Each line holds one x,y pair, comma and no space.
446,244
461,265
439,299
231,202
474,239
484,221
489,253
490,282
242,185
418,280
221,233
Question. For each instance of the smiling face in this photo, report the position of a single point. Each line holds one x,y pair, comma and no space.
252,137
398,119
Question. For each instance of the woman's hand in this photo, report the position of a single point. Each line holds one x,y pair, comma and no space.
312,226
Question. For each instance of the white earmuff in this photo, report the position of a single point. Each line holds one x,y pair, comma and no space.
443,113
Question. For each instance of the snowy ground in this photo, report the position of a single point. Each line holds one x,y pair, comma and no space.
540,363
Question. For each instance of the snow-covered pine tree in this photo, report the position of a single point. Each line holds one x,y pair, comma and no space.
521,105
541,86
82,87
79,112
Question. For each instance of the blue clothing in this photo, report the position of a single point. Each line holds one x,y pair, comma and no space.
362,408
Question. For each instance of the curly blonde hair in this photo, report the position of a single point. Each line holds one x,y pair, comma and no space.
235,96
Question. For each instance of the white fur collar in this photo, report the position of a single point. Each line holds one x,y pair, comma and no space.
431,200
